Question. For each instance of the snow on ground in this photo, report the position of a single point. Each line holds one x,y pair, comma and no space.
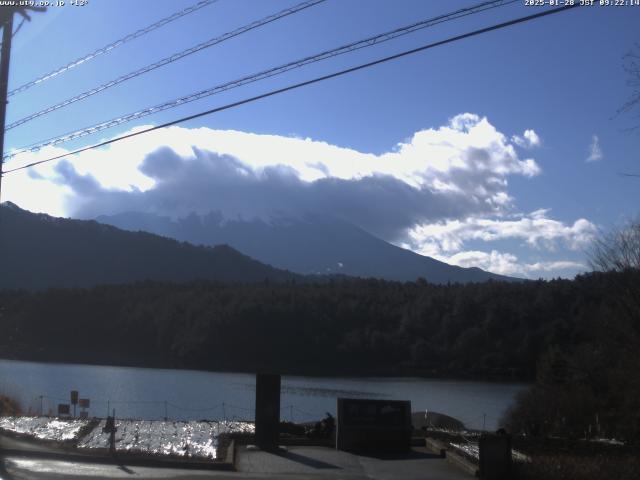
155,437
609,441
473,450
44,428
470,449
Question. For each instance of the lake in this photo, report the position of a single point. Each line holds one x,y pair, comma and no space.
149,394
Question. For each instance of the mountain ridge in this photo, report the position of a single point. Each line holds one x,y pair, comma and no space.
39,251
311,245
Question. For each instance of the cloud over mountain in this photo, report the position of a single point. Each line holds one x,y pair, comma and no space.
440,187
456,170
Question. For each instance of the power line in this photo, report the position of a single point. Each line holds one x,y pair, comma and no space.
344,49
304,84
113,45
189,409
368,42
167,60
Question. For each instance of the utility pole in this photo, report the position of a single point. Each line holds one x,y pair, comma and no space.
6,18
7,34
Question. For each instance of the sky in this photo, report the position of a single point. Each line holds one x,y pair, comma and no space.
502,151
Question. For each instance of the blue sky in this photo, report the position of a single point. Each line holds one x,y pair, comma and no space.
531,209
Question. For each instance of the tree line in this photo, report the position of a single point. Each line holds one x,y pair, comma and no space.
492,329
577,340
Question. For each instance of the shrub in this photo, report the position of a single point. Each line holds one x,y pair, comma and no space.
9,406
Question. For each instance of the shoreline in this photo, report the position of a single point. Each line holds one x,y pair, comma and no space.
354,374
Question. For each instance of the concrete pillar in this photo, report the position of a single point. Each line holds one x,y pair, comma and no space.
267,410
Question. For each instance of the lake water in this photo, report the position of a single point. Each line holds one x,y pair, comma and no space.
149,394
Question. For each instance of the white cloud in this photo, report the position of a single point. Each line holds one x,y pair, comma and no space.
430,158
509,264
535,229
529,139
447,241
532,137
595,151
452,171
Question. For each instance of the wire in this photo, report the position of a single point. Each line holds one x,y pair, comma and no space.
177,407
303,84
113,45
15,32
309,415
374,40
138,402
240,408
167,60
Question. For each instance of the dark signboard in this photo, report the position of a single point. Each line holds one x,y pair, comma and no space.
376,425
64,409
495,456
74,397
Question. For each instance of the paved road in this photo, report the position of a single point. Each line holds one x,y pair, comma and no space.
296,463
16,468
10,443
322,462
39,462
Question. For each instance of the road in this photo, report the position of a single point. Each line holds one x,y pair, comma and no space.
294,463
30,468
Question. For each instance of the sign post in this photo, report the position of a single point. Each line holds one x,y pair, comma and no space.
63,409
84,406
74,400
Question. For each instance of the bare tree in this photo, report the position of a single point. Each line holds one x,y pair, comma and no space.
631,65
618,250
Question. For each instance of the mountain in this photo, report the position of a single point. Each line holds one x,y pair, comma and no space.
39,251
311,245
